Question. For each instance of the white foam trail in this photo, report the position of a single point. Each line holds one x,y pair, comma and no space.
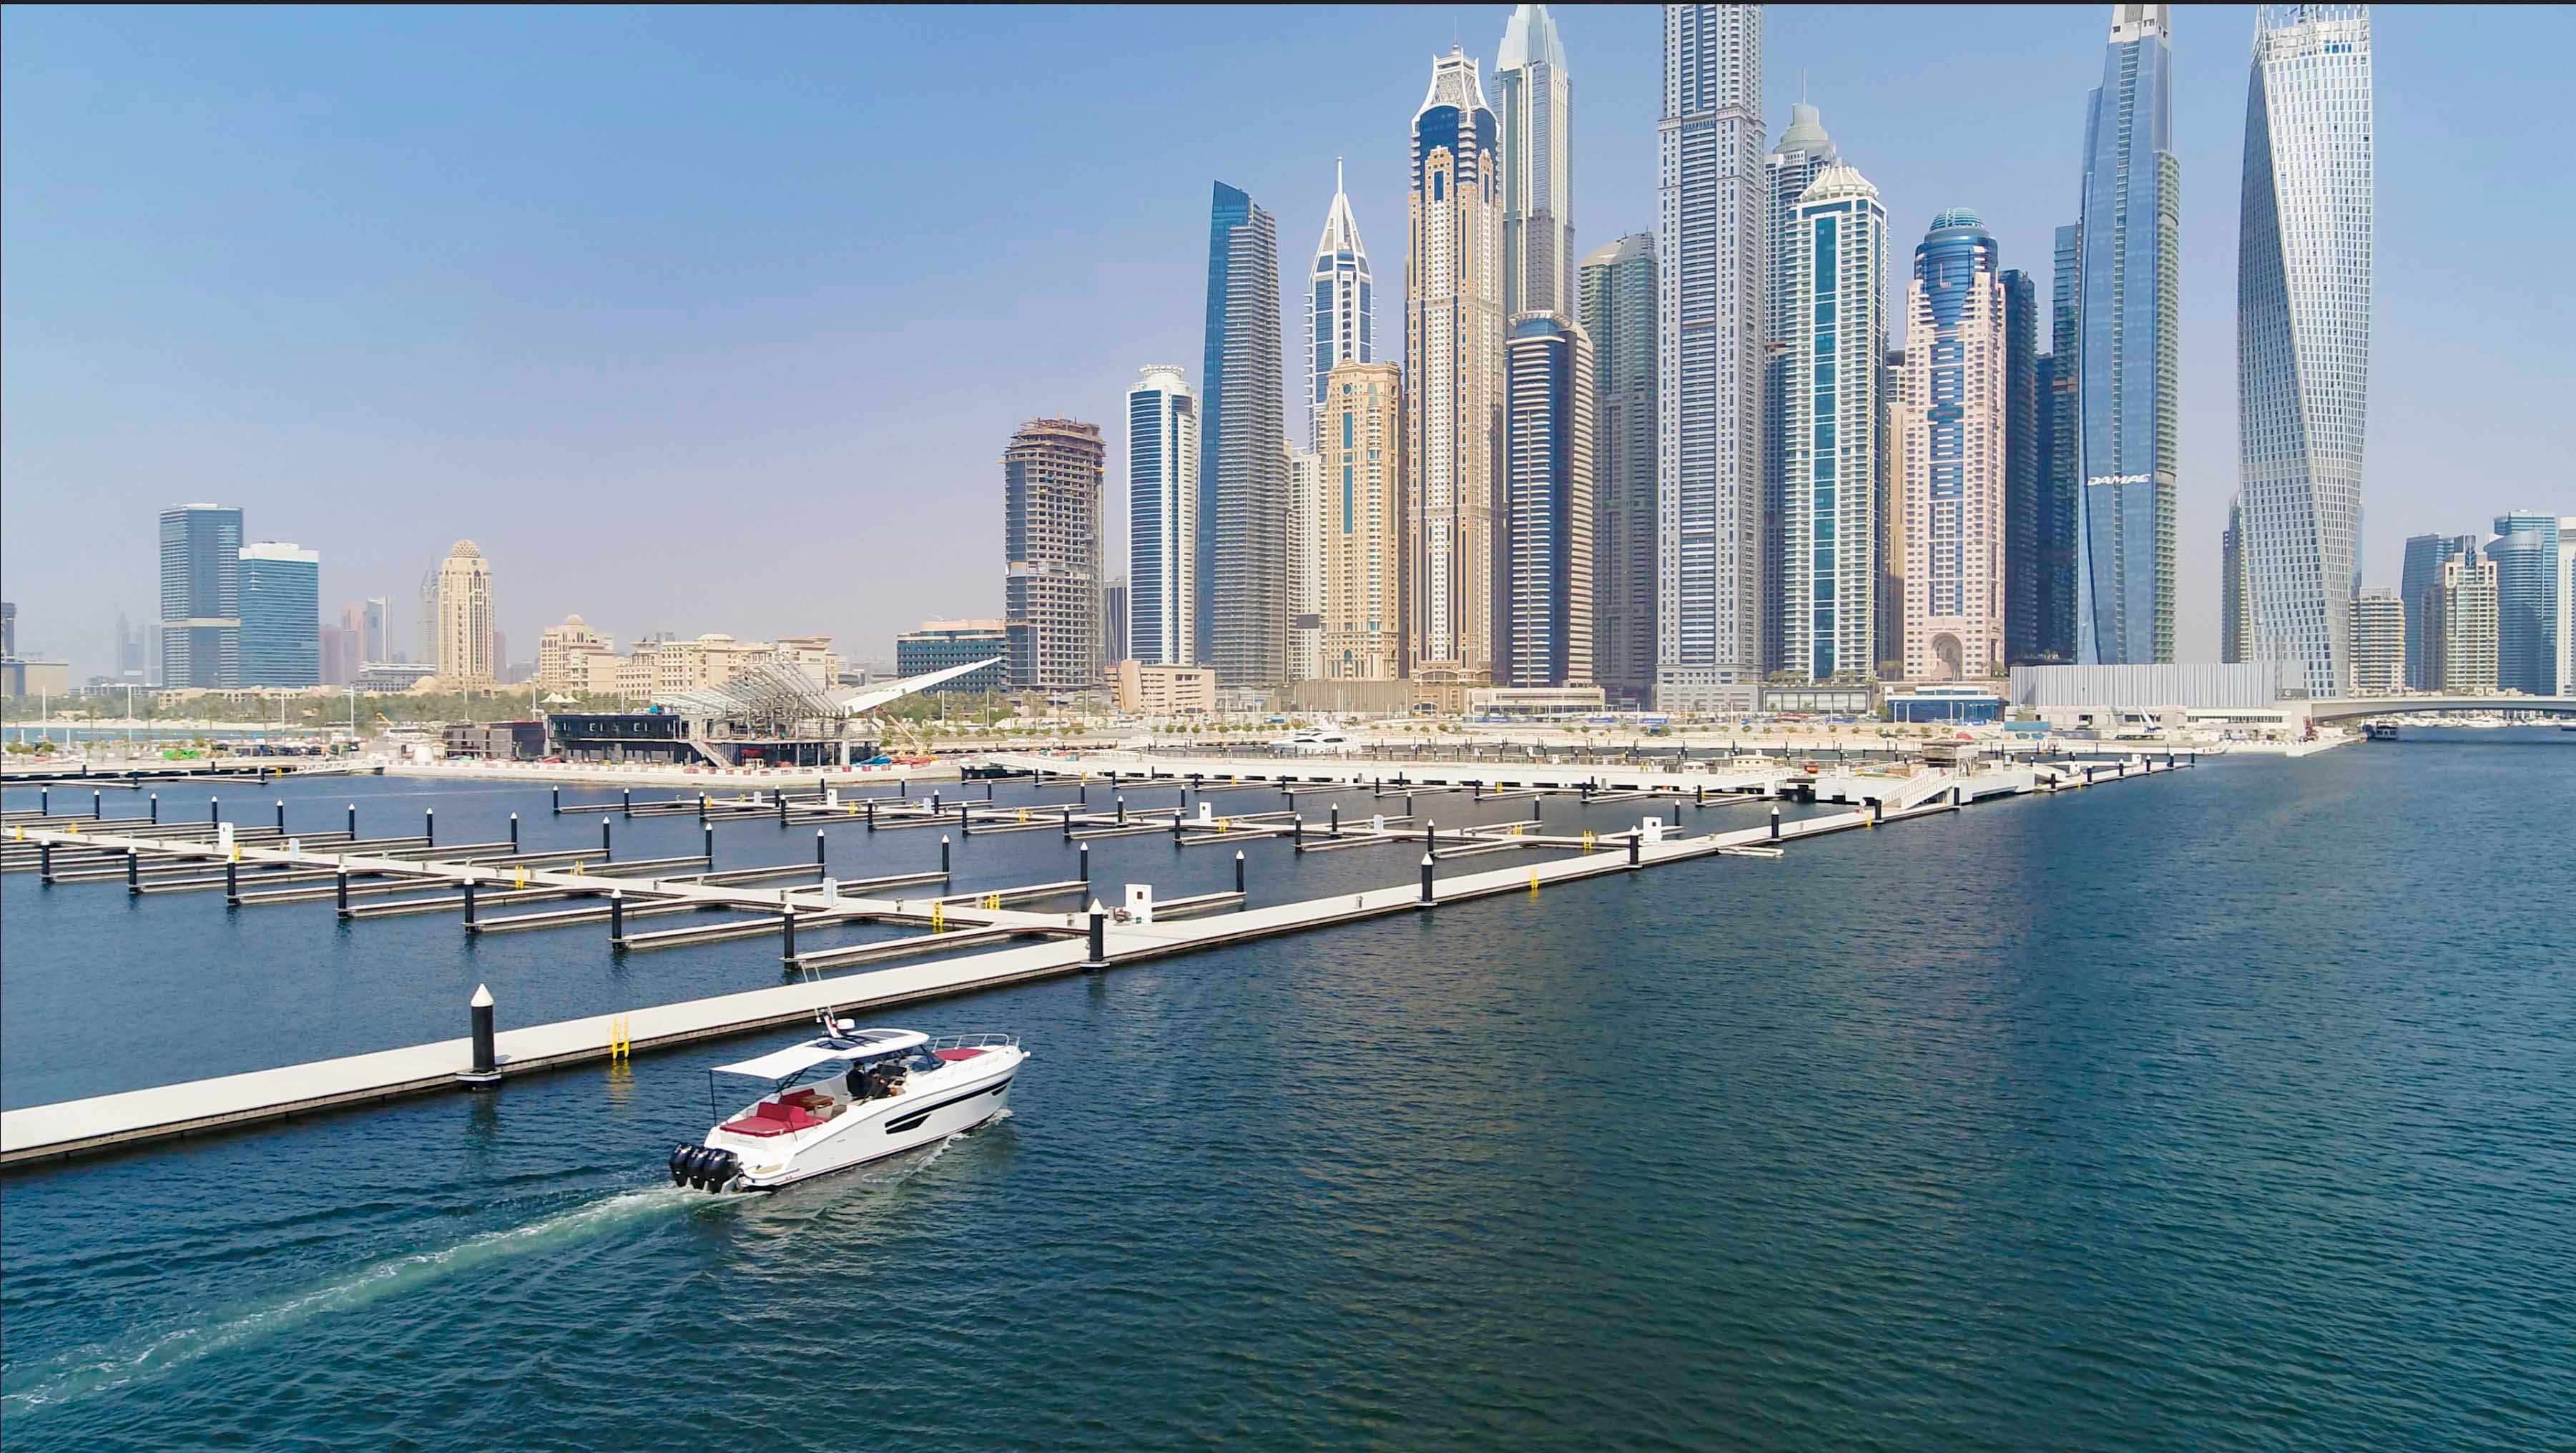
102,1367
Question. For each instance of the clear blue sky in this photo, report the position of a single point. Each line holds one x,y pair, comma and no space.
718,320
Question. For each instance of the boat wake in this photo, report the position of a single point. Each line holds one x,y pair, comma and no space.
96,1367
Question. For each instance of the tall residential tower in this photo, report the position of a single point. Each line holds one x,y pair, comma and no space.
1051,577
1364,525
2303,331
1162,518
1339,328
1546,627
1242,606
1536,100
1953,408
1619,320
463,619
1803,153
2129,300
1830,501
1453,415
1708,331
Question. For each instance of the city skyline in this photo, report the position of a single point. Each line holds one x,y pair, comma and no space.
58,464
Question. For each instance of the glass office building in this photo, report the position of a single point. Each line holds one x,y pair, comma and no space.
201,596
281,615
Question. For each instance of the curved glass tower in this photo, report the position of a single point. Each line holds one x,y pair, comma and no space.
2303,333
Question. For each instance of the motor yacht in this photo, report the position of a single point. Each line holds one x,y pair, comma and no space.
847,1098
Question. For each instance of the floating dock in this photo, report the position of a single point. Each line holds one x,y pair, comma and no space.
47,1132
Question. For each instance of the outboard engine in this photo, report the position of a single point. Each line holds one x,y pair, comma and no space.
705,1167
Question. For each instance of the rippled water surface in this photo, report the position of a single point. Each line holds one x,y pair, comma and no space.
2236,1108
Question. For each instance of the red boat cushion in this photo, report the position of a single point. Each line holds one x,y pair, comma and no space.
771,1118
954,1055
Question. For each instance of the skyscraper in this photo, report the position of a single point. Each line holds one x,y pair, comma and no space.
2058,527
2303,331
1113,623
1829,528
1546,627
2415,584
1162,519
340,664
201,596
463,619
129,650
1454,405
1305,564
2131,295
2378,643
2567,605
2025,465
2235,608
1888,537
1619,318
1051,481
1708,332
424,646
2525,555
2460,646
1803,153
1536,102
281,615
372,645
1339,327
1242,609
1956,412
1365,531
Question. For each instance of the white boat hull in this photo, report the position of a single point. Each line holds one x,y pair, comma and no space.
925,1114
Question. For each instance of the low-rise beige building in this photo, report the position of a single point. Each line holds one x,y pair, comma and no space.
564,654
1147,690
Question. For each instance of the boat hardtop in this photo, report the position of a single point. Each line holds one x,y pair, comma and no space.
785,1064
881,1091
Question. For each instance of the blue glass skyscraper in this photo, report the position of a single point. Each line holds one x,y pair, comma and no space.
2525,552
201,595
281,616
2129,300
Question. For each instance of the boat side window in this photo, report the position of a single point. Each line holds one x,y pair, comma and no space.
923,1061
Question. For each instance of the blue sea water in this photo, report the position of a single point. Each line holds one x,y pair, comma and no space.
2235,1108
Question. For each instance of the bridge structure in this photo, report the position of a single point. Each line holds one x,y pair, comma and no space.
2352,707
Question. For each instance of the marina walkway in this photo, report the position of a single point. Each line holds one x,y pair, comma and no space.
72,1127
